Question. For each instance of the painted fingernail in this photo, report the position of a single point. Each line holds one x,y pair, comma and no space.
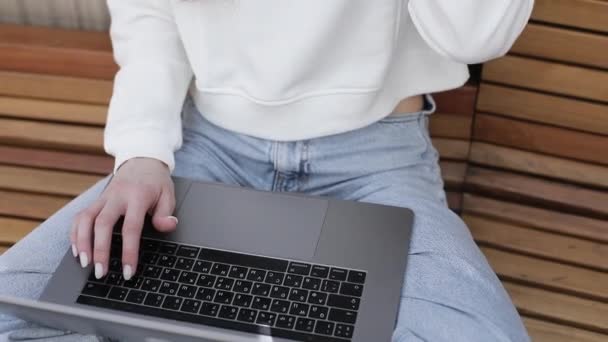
74,250
174,218
127,272
84,259
98,270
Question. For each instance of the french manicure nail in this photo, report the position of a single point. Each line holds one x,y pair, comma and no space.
127,272
84,260
74,250
174,218
98,270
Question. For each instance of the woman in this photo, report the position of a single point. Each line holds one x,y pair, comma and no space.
325,97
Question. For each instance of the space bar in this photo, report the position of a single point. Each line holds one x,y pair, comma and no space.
246,260
206,320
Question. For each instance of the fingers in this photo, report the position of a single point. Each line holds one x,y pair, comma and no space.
162,218
131,233
82,230
104,225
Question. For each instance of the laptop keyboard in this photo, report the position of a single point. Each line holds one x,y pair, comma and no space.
277,297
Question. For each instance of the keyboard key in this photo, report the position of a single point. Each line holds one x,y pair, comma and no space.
187,291
151,285
292,280
149,245
96,290
201,266
115,265
252,261
356,277
166,261
318,312
280,306
154,299
188,278
337,274
243,286
280,292
247,315
242,300
224,283
305,324
344,330
344,302
330,286
205,294
299,309
191,306
311,283
220,269
260,289
298,268
319,271
209,309
318,298
228,312
170,274
351,289
286,322
184,264
188,251
261,303
136,297
298,295
205,280
114,279
172,303
274,278
133,283
152,271
168,248
324,328
342,316
169,288
95,280
256,275
223,297
266,318
118,293
149,258
238,272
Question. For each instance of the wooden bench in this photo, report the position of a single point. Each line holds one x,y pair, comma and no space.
523,154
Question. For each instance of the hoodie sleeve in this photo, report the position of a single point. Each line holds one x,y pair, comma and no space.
470,31
149,89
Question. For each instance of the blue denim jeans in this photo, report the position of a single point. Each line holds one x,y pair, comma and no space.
450,293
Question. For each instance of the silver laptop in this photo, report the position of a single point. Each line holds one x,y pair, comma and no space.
243,265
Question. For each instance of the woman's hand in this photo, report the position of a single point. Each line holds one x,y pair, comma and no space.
140,185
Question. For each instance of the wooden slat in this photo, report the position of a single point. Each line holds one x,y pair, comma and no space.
551,275
14,230
554,110
51,51
51,135
56,160
586,14
559,44
45,181
452,148
451,126
457,101
453,173
549,220
539,164
60,88
454,200
527,189
575,311
3,249
53,111
550,77
542,331
537,243
541,138
37,207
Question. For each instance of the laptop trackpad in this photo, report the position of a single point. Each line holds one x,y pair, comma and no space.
280,225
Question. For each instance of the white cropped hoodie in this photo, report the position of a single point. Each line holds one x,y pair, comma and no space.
289,69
